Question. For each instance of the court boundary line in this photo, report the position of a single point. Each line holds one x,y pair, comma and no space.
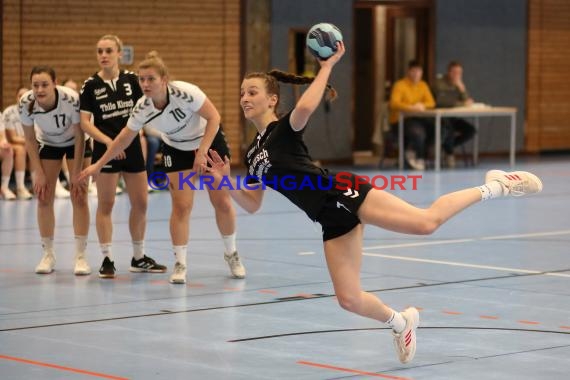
274,301
61,368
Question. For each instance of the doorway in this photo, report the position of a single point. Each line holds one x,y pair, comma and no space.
387,35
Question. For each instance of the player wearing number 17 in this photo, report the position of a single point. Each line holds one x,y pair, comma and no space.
50,119
190,125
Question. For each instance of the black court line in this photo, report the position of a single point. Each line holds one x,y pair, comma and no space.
275,301
388,328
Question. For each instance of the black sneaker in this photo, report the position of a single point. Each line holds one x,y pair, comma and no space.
146,264
107,269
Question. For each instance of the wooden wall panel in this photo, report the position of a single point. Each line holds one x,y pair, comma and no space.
548,109
199,41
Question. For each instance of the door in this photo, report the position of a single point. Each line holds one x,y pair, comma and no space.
387,35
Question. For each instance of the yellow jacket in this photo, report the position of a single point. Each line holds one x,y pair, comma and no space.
405,94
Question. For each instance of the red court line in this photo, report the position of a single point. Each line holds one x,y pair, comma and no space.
452,312
195,285
55,366
373,374
529,322
488,317
268,291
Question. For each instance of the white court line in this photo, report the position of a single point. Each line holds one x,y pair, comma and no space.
305,253
535,234
440,242
420,244
466,265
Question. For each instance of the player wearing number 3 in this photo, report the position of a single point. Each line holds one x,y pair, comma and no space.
278,150
50,119
190,125
107,98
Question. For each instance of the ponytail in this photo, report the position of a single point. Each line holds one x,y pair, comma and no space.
284,77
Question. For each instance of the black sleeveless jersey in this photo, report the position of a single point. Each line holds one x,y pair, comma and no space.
280,159
110,102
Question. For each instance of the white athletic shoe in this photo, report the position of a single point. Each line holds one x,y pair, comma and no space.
179,274
23,194
405,341
82,267
46,264
236,267
60,191
7,194
515,183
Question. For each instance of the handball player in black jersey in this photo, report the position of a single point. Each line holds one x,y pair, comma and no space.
107,99
279,150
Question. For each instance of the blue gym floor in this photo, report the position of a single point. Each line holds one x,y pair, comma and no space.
493,287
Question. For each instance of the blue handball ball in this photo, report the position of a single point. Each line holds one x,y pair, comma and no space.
322,39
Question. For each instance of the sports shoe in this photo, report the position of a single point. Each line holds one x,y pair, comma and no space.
46,263
107,269
405,341
515,183
413,162
179,274
82,267
236,267
23,194
7,194
146,264
60,191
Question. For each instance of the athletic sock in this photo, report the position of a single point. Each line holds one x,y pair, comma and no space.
230,243
493,189
180,253
47,244
396,322
138,249
106,250
20,177
80,243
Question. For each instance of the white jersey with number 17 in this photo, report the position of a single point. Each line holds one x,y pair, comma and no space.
53,127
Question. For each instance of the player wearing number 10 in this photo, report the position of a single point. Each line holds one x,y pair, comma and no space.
190,125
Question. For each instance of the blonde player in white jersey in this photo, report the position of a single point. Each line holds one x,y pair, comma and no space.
189,126
54,110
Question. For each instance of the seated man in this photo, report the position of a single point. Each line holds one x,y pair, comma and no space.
450,91
411,93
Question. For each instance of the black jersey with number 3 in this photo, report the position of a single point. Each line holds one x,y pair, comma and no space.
280,159
110,102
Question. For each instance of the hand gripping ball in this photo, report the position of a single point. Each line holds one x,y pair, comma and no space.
322,39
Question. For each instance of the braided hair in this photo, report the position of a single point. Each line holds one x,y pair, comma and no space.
273,77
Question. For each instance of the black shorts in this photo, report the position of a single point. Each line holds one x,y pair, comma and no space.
176,160
48,152
133,163
339,214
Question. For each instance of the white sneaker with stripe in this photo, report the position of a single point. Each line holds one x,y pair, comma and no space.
405,341
517,183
